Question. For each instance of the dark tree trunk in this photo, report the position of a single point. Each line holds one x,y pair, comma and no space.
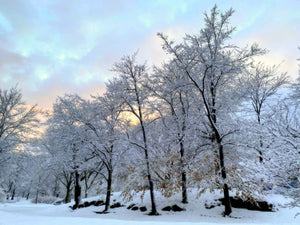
153,205
108,190
227,203
184,188
68,185
260,156
212,118
139,115
260,139
151,186
77,196
68,192
56,188
13,194
86,184
36,196
67,198
182,152
183,175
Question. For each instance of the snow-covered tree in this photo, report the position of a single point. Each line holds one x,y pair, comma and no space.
135,98
263,83
66,138
17,121
175,102
284,126
106,125
214,67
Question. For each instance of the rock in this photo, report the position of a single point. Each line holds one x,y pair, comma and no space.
99,202
75,207
143,209
176,208
130,206
81,206
93,202
134,208
167,208
101,212
116,205
86,204
247,204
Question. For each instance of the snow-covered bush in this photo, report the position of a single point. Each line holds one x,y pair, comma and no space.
45,200
2,196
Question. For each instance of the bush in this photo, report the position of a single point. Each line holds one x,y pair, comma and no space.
46,200
2,196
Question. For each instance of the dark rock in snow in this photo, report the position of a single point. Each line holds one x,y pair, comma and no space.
81,206
247,204
93,202
86,204
116,205
143,208
134,208
101,212
99,202
74,207
130,206
176,208
167,208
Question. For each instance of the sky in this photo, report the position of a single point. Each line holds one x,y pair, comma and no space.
52,47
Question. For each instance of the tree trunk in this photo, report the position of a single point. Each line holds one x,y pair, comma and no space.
56,188
182,151
108,190
260,139
211,115
184,188
183,175
227,203
77,196
13,194
151,186
86,184
153,205
36,196
68,192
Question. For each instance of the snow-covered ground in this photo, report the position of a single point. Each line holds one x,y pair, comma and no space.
26,213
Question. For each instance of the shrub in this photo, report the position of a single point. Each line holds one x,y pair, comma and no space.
2,196
45,200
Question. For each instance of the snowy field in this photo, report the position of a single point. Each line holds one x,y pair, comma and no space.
26,213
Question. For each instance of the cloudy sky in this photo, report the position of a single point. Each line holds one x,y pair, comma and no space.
52,47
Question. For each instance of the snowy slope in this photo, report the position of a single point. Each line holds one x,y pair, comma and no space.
26,213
